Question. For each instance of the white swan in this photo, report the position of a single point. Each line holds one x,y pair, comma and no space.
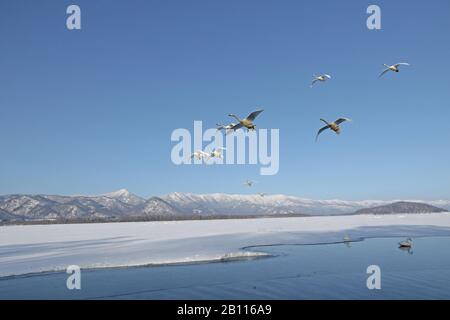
405,244
199,155
321,78
216,153
393,68
227,128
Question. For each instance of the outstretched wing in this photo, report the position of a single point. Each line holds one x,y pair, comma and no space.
197,154
321,130
254,114
236,126
340,120
205,156
314,81
402,64
250,182
384,71
327,76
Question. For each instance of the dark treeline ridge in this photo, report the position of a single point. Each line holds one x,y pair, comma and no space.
143,219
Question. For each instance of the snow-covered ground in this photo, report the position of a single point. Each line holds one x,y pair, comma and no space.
38,248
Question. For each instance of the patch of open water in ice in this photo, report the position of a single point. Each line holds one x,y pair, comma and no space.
325,271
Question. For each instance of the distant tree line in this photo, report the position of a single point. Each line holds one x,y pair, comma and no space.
146,218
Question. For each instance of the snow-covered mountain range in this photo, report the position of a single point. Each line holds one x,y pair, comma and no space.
122,203
219,203
32,207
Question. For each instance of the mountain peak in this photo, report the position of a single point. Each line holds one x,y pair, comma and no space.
125,196
118,193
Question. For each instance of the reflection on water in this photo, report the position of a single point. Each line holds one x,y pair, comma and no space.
334,271
406,249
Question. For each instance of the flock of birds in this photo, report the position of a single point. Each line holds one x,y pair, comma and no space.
334,126
248,123
241,123
206,156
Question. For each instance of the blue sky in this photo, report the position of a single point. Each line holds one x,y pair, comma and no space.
91,111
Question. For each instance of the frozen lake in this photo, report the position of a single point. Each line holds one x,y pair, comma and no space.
42,248
326,271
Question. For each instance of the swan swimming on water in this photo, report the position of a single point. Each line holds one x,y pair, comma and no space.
406,244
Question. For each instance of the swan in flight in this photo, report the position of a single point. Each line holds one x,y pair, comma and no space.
322,78
227,128
405,244
332,126
393,68
216,153
247,122
249,183
200,155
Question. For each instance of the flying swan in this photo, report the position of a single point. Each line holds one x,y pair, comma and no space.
393,68
332,126
321,78
247,122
